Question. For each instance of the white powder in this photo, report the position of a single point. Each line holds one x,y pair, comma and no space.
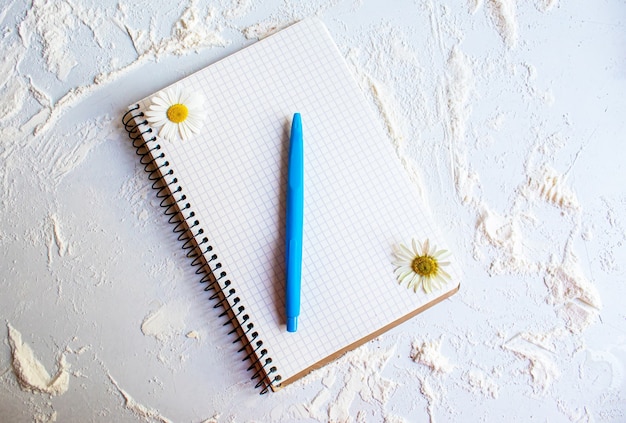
363,378
474,5
503,16
617,371
13,94
45,418
459,86
59,155
429,354
30,373
358,375
189,33
53,22
287,14
389,112
59,240
542,367
479,382
546,5
167,321
576,300
139,410
432,395
505,235
390,418
214,419
571,294
238,9
193,335
264,29
95,20
551,187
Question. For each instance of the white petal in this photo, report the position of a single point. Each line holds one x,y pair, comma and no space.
444,274
427,286
192,100
192,126
158,101
415,249
185,133
157,122
168,131
196,118
155,113
413,281
406,274
169,95
440,253
406,250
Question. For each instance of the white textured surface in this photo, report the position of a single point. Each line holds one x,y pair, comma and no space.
510,117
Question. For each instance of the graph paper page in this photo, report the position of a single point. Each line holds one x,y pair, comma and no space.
359,201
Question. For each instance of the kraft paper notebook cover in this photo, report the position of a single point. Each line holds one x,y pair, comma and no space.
224,190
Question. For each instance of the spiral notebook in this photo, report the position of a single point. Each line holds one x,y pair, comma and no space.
224,190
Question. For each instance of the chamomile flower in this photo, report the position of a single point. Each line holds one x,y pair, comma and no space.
421,266
175,110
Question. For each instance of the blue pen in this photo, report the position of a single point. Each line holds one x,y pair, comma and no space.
295,220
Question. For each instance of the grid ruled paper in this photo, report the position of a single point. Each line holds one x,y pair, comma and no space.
359,202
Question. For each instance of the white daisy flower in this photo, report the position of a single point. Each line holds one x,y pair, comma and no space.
421,266
175,110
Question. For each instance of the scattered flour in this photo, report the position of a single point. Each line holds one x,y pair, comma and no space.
45,418
459,86
53,22
388,109
546,5
193,335
13,94
505,234
139,410
238,9
433,395
264,29
30,373
503,16
363,378
287,14
542,366
59,241
617,371
189,33
551,187
429,354
576,300
358,374
572,295
167,322
482,383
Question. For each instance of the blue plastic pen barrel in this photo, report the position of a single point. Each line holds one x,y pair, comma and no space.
295,220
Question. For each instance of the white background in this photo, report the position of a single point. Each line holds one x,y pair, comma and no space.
485,101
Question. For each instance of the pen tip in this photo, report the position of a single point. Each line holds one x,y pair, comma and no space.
292,324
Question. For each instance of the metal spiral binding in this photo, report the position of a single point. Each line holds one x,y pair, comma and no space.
187,227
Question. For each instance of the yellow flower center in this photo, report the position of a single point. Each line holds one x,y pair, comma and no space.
177,113
425,266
